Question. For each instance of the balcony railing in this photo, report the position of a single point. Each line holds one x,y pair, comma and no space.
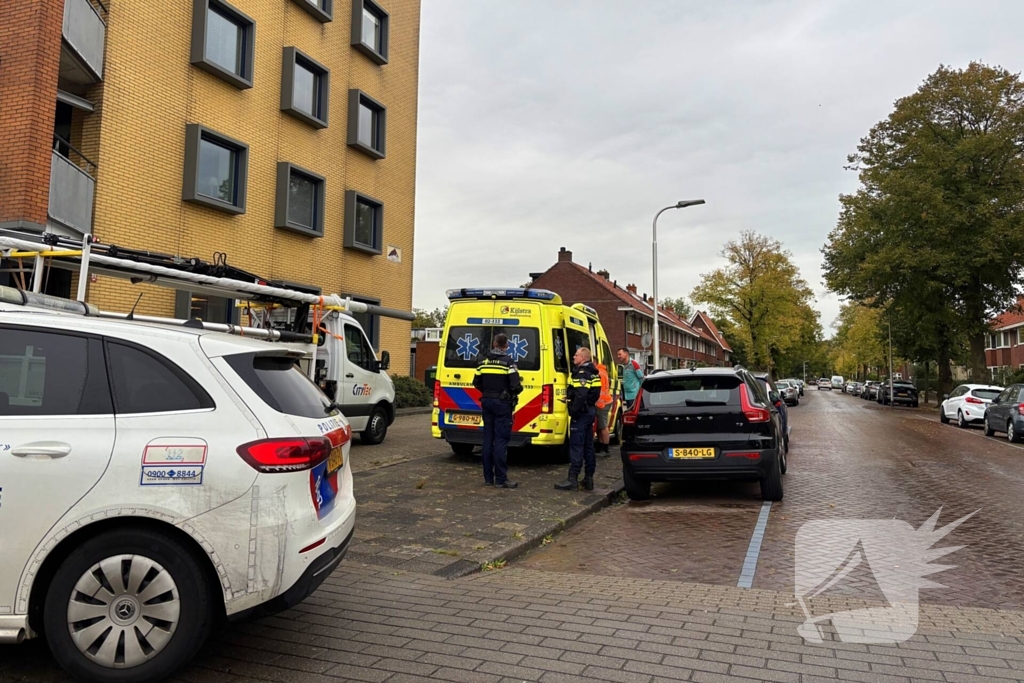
85,33
71,187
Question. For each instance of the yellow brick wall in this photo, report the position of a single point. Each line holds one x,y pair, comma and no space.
151,92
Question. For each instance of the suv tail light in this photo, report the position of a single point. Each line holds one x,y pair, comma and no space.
971,399
752,412
547,395
292,454
1020,408
437,393
629,417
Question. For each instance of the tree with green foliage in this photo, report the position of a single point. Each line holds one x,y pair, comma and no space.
679,305
762,296
935,233
425,318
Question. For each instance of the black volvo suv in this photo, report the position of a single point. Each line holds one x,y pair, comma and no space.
703,423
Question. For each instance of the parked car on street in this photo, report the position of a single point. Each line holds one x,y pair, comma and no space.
799,383
838,382
790,392
967,403
1006,414
703,423
157,477
824,383
897,391
870,390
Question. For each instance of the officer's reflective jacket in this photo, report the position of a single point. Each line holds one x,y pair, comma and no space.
584,389
497,377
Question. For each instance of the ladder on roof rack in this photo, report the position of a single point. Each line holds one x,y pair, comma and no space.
213,279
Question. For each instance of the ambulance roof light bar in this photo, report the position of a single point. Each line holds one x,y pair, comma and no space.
501,293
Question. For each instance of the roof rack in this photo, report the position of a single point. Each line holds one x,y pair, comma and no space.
200,277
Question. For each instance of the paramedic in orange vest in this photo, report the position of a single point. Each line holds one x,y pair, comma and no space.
604,409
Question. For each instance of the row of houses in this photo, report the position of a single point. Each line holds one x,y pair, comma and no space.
626,315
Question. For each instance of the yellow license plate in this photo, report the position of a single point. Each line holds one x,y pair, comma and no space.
336,460
692,453
465,419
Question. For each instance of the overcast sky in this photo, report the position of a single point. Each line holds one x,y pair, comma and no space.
553,123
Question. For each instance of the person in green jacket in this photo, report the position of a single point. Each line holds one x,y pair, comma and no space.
632,375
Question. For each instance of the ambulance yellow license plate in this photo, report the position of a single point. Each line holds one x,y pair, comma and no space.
692,453
336,460
474,419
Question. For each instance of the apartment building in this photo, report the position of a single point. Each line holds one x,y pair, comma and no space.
1004,344
278,133
628,317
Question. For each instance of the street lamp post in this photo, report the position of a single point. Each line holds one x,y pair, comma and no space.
654,248
891,402
805,372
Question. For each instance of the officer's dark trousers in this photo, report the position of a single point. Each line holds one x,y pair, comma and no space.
581,445
497,432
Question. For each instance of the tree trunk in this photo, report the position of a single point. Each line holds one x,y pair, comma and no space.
979,366
945,380
926,382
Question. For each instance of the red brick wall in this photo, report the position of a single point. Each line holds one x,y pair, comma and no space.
426,355
30,35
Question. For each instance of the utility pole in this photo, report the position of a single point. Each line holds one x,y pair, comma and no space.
805,372
891,403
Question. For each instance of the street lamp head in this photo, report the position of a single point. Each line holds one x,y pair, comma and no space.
688,202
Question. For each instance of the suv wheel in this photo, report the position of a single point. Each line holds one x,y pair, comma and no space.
960,421
636,488
376,427
1011,434
988,430
771,486
127,605
462,448
784,464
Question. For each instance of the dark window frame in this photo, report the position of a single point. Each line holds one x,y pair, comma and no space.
352,197
282,198
290,56
356,98
372,334
323,11
380,56
200,14
194,133
365,345
206,401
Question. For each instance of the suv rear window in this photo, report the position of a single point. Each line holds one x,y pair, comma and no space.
281,384
697,390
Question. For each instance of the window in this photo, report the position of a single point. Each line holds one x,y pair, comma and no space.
574,341
700,390
223,42
369,322
299,205
146,383
358,349
305,87
216,168
370,30
321,10
558,346
467,345
279,383
1007,339
46,373
367,123
1020,335
364,223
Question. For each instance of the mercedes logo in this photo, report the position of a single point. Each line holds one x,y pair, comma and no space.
125,610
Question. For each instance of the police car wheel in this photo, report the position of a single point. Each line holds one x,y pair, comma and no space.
376,427
127,605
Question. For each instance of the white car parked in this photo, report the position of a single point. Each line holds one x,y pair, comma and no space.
967,403
155,479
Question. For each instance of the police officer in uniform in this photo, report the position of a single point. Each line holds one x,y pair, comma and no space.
582,395
497,380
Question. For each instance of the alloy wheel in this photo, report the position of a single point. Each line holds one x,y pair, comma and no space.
123,611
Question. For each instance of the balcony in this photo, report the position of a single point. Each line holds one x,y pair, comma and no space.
71,188
85,32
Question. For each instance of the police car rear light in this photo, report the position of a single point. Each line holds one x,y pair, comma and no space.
293,454
313,546
547,395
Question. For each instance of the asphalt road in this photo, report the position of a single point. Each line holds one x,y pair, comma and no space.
850,459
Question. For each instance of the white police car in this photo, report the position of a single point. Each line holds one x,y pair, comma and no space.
154,480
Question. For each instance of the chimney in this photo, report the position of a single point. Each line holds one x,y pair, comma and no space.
631,289
605,274
645,297
564,255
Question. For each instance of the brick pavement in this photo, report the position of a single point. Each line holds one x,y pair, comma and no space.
375,624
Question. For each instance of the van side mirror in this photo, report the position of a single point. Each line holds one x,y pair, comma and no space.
385,361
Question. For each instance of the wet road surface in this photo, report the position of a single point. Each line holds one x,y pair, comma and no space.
850,459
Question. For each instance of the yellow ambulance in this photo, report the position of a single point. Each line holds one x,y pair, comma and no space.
543,335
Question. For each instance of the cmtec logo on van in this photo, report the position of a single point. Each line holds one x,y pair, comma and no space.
361,390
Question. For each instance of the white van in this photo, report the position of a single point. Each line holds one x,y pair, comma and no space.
838,381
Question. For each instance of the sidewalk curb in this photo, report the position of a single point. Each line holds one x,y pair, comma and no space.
533,537
399,412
